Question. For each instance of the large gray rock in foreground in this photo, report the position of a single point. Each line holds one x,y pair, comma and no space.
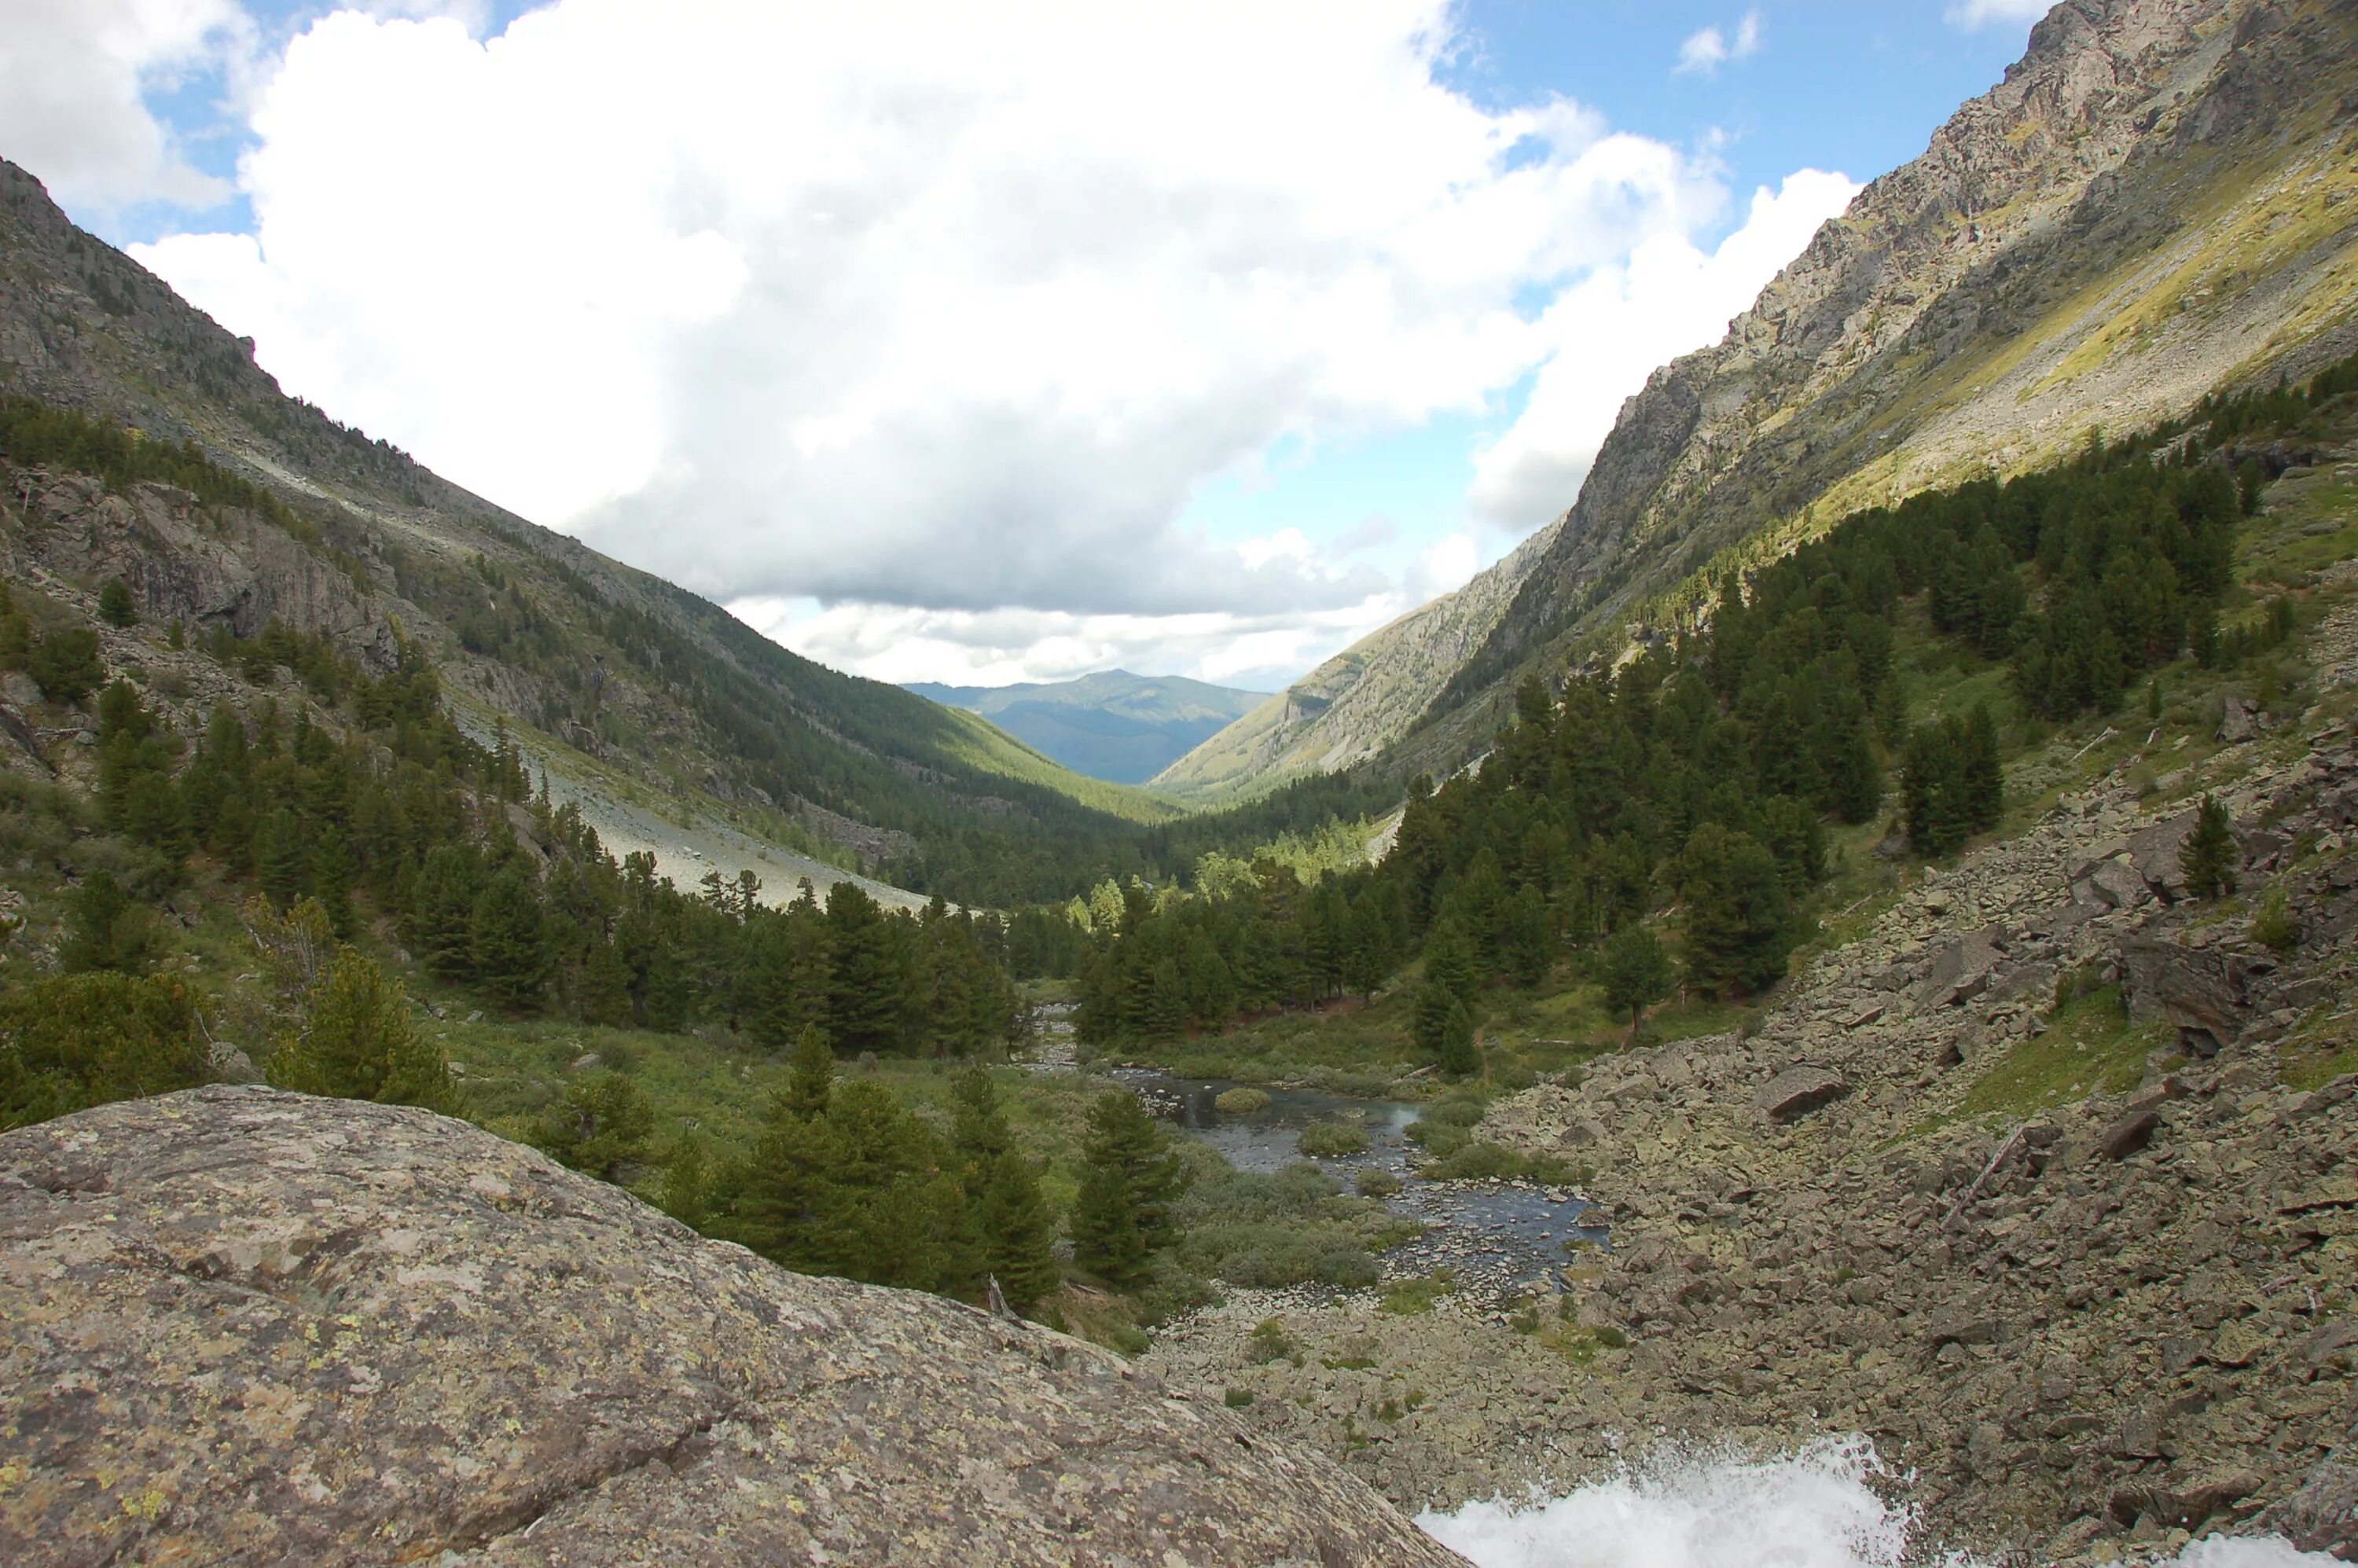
239,1326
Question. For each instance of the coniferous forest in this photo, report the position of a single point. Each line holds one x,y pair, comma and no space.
1657,817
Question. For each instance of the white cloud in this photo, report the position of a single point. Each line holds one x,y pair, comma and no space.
1976,14
999,647
1707,48
71,77
954,308
1609,331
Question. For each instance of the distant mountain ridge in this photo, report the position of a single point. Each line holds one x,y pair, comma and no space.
715,748
2156,202
1112,725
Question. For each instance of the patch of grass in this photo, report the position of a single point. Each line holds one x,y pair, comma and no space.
2090,1047
1333,1139
1236,1399
1478,1162
1411,1297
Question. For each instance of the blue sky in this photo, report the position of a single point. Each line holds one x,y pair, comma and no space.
1197,341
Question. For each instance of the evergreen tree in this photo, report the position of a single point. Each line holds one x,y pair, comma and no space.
1019,1235
70,1042
1460,1057
332,878
866,977
2209,856
106,928
810,1077
1129,1181
65,664
1636,972
687,1193
115,606
1739,919
355,1041
283,859
508,940
602,1124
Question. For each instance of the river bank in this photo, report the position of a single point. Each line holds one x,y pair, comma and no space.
2086,1271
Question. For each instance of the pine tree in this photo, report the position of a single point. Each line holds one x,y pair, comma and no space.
106,928
356,1042
602,1124
1019,1234
115,606
508,940
1737,916
687,1185
1984,775
1129,1181
605,986
1460,1057
2209,856
867,980
285,859
810,1077
331,879
1636,972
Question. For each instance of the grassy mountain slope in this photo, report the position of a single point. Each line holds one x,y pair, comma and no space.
1112,725
1348,709
615,681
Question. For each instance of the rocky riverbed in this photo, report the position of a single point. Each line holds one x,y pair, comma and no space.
2090,1315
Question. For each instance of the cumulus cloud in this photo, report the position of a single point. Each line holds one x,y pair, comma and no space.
1972,14
1706,49
73,77
934,313
1612,328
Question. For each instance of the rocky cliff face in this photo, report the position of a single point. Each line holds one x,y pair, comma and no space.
244,1326
2154,203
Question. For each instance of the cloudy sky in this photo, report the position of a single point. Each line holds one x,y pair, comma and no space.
987,342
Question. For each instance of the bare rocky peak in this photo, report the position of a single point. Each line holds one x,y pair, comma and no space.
244,1326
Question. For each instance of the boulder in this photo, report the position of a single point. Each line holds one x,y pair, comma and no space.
2157,853
1961,970
2129,1134
2200,991
2238,720
243,1326
2110,884
1796,1091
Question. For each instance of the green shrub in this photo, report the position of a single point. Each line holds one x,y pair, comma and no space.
1242,1101
116,605
1609,1336
1483,1162
1408,1298
1375,1182
1457,1112
1269,1342
70,1042
2273,927
1236,1399
65,664
1333,1139
602,1124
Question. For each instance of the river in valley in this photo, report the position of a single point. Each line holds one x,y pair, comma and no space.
1501,1238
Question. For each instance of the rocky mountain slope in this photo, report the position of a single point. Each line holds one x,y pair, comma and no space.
624,687
245,1327
2038,1175
2155,203
1349,708
1112,725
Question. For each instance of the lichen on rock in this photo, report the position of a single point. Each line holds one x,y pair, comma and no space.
238,1326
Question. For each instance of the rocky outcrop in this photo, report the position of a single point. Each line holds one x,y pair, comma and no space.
243,1326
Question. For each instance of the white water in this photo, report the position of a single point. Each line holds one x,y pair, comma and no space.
1815,1509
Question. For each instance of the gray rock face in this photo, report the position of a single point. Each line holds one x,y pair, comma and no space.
1796,1091
243,1326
